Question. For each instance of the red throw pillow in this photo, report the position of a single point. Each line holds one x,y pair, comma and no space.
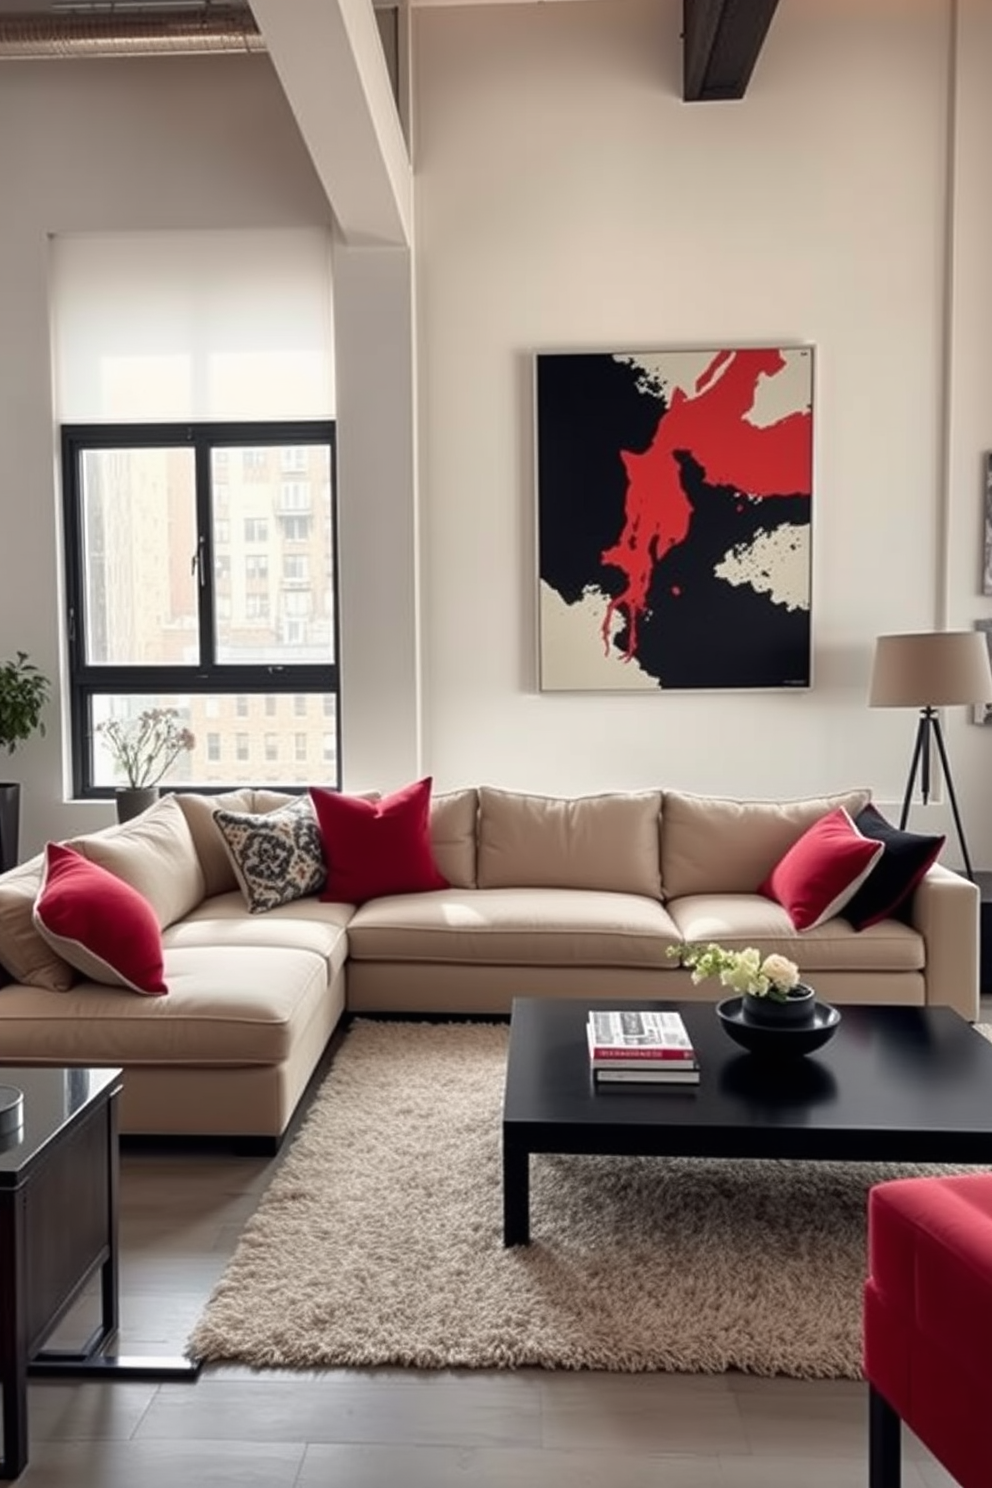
822,871
98,923
380,847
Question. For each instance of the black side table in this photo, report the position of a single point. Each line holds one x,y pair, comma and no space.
983,879
58,1228
58,1222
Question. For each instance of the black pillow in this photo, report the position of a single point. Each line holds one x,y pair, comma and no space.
906,858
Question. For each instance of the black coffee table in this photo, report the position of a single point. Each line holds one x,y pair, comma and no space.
895,1084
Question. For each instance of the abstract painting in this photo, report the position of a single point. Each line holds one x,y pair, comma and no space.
674,491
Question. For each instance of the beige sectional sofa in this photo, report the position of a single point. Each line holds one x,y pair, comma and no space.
548,896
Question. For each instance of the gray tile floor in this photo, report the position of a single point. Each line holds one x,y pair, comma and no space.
181,1214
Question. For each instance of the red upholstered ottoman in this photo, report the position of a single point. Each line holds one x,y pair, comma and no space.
928,1324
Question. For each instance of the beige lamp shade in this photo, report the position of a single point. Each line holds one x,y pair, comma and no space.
935,669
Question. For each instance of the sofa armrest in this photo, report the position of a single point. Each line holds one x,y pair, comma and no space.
945,910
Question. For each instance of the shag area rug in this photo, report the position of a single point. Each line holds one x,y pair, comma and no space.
379,1241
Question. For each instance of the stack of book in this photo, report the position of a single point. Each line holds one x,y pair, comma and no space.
641,1048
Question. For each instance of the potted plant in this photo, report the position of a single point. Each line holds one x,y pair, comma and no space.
143,749
24,691
769,986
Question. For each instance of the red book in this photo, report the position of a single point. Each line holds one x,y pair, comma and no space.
622,1038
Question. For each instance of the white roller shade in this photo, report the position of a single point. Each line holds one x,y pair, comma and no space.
197,325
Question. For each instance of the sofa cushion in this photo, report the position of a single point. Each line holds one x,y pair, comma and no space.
905,859
227,1005
263,799
380,847
276,855
719,845
736,921
515,927
821,872
452,827
24,954
99,924
218,871
303,925
603,843
155,854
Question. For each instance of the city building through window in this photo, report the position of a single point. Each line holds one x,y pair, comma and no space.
170,606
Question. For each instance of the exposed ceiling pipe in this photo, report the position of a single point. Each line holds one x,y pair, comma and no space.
129,31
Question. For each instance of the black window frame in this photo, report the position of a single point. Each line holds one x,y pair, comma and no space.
208,677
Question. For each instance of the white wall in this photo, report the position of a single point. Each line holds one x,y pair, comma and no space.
566,198
969,397
377,517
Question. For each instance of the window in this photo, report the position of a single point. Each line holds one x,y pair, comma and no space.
300,748
330,747
295,529
255,463
294,496
158,617
222,533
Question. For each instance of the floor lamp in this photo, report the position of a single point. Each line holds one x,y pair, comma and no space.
938,669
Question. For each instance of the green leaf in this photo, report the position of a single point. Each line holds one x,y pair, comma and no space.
24,691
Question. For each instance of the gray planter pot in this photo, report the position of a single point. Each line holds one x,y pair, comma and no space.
10,816
769,1011
133,800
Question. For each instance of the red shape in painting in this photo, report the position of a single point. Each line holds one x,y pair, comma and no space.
763,460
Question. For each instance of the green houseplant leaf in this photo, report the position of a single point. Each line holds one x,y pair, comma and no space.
24,691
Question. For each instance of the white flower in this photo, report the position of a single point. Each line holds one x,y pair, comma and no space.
744,971
780,971
744,974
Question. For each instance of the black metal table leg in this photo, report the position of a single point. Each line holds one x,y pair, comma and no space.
884,1445
13,1374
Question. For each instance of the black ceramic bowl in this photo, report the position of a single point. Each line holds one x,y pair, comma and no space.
781,1039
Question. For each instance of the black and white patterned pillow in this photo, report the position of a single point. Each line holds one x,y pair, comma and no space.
276,855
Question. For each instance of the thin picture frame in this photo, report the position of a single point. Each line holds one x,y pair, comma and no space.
987,566
982,712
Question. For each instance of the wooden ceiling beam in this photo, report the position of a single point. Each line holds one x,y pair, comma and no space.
721,40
